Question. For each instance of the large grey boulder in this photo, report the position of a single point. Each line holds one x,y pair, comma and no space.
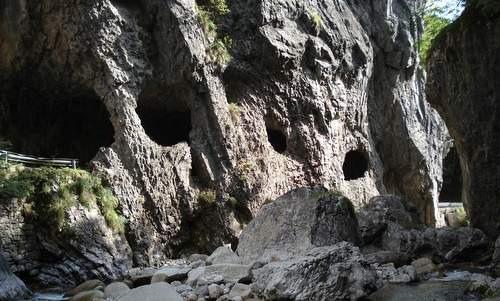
153,292
387,223
11,287
297,222
463,76
337,272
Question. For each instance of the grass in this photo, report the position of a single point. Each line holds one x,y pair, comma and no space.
218,51
207,197
50,192
316,20
210,16
245,168
462,218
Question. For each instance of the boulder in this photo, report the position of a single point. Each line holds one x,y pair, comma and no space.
240,290
388,273
297,222
439,291
382,257
197,257
223,254
219,273
215,291
423,266
88,296
153,292
11,287
115,290
338,272
388,223
88,285
169,274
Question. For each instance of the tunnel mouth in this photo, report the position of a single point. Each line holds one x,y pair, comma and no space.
451,191
166,115
275,134
355,165
63,121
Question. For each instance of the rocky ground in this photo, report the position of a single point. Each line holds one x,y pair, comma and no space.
310,244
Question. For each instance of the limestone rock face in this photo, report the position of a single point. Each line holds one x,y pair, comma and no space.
297,222
192,147
11,287
464,72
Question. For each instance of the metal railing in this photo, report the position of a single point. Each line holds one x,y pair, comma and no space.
39,161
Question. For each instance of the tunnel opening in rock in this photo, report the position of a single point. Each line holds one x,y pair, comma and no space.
165,116
277,139
451,191
355,165
60,121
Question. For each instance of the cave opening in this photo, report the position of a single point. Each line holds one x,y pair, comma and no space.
355,165
60,121
451,191
165,114
277,139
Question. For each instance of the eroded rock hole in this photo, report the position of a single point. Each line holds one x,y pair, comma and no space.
452,178
355,165
277,140
63,122
166,118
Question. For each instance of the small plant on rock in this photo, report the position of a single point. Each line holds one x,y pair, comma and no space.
207,197
234,111
316,20
462,218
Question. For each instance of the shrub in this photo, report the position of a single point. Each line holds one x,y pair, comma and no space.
316,20
50,192
210,16
245,168
207,197
234,111
462,218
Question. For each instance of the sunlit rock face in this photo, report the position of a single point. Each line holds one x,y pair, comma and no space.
338,104
464,72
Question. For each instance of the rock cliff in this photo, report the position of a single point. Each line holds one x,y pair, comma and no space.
464,68
314,93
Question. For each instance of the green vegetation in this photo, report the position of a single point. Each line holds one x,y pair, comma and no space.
207,197
245,168
50,192
234,111
210,16
218,51
316,20
462,218
433,26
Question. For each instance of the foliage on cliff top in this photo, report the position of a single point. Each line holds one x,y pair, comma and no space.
210,16
50,192
433,26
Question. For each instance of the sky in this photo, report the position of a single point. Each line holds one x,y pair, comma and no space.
450,9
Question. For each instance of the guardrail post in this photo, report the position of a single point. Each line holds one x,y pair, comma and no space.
73,162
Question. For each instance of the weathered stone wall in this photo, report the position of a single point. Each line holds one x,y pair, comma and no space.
350,85
464,70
